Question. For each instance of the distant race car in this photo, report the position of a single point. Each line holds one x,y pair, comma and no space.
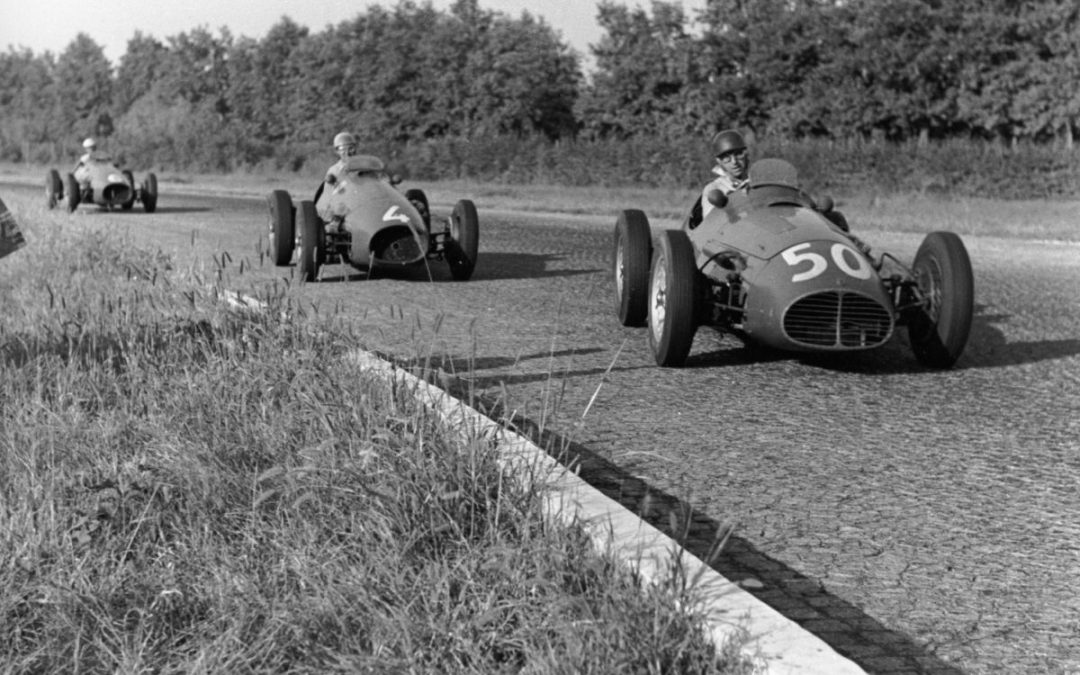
100,181
771,266
363,220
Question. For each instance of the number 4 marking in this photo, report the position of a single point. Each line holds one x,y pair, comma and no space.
394,214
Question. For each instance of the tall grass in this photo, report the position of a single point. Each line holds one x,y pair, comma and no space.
190,488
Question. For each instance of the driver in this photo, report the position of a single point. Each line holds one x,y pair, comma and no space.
731,169
345,147
91,155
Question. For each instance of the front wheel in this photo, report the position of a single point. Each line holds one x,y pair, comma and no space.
673,292
420,201
71,192
54,188
282,227
150,194
630,267
130,180
939,329
312,241
463,245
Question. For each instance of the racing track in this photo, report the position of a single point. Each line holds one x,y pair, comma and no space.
918,521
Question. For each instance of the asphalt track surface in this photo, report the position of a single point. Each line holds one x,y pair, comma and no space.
916,520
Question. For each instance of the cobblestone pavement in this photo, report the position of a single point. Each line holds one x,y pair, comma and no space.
919,521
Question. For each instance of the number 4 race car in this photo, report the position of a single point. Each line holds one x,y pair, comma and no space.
100,181
771,266
363,220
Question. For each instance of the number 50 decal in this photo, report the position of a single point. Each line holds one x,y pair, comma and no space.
844,257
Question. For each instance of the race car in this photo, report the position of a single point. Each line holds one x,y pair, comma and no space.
100,181
776,268
363,220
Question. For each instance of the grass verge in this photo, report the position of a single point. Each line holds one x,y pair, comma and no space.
190,488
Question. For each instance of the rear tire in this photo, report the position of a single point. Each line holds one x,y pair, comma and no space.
630,267
939,331
312,241
673,293
150,194
130,180
54,188
463,245
71,193
282,227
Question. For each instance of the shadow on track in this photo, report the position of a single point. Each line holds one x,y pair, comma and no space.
843,626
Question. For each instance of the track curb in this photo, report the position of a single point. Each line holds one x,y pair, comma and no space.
775,643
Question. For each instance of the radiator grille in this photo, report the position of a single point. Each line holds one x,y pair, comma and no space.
838,320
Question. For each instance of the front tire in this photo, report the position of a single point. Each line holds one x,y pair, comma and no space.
130,180
282,227
630,267
312,241
673,292
463,246
150,194
420,201
939,330
54,188
71,193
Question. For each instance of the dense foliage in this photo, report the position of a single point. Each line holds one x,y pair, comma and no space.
860,71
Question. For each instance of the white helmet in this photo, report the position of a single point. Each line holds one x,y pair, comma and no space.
89,144
344,138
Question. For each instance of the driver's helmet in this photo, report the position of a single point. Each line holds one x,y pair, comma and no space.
729,148
90,144
345,144
727,141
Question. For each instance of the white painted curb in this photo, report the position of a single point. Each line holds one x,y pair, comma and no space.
777,644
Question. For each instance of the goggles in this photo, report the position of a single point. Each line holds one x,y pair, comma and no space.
732,156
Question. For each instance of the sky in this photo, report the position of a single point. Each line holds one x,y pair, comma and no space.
51,25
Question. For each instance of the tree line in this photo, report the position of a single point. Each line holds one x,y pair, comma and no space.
856,70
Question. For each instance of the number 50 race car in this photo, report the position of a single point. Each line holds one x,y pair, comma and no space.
363,220
772,266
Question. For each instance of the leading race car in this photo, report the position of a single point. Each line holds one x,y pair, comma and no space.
363,220
772,266
100,181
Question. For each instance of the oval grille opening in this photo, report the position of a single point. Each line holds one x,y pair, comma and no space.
838,320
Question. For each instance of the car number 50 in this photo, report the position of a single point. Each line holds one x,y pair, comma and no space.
844,257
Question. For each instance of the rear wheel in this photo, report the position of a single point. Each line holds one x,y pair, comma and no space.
130,180
150,194
464,244
939,330
312,241
71,193
630,267
672,299
54,188
282,227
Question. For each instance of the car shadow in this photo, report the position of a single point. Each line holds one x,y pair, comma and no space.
465,375
490,267
802,599
503,265
182,209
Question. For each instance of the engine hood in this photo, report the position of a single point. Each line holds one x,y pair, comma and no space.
375,213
